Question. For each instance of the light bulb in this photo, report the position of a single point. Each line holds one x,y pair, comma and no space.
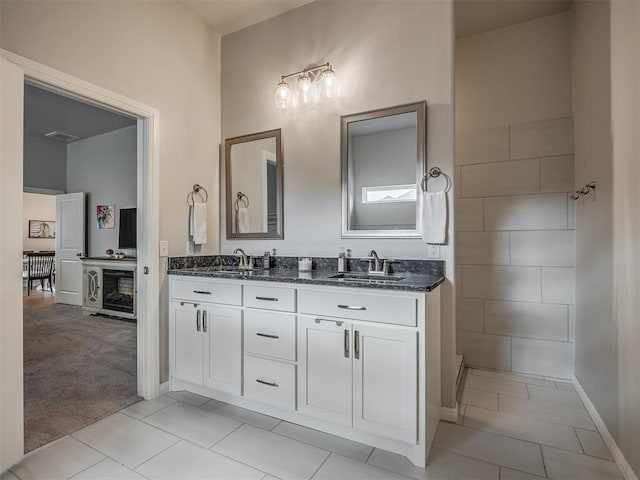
305,89
283,95
329,84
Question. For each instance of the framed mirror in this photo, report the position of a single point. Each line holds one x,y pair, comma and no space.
253,175
383,162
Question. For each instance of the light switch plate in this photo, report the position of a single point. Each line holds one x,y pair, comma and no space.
164,248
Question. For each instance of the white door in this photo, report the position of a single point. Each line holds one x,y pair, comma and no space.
385,381
188,342
223,348
70,244
11,391
324,370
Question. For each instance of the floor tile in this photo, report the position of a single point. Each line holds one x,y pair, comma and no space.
510,474
512,377
188,397
441,465
523,428
187,461
241,414
147,407
497,385
560,398
340,468
194,424
108,469
126,440
7,475
489,447
339,445
593,444
60,459
480,398
271,453
546,410
563,465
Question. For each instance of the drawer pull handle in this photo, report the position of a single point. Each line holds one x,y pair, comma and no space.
356,346
338,323
195,305
198,320
351,307
346,344
204,321
202,292
267,299
267,335
264,382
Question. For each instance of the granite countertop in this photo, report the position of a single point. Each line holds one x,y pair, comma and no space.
417,282
113,258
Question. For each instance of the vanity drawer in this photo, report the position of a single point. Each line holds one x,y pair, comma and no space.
271,382
359,306
270,298
270,334
204,290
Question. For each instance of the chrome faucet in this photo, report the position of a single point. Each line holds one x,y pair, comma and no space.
373,255
244,262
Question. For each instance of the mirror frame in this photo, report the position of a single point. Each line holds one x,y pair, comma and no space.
421,162
229,142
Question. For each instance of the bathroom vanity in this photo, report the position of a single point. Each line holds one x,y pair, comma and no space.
354,358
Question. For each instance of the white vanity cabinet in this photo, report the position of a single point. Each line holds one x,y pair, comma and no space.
205,341
361,363
359,373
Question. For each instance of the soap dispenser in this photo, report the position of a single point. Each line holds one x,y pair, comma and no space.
342,261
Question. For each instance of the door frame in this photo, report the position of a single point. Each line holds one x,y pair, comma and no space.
148,284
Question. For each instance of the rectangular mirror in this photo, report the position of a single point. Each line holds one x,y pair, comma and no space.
383,162
253,165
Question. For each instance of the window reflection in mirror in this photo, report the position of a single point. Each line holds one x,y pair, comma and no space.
382,165
254,186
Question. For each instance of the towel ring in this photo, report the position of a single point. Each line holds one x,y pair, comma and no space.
197,189
435,172
241,199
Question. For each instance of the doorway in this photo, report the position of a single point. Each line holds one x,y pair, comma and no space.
79,363
15,70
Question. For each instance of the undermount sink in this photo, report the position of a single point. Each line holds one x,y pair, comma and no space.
365,277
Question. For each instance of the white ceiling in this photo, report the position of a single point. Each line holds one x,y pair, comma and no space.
227,16
46,111
479,16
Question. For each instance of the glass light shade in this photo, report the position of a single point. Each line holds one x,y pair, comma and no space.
283,95
305,89
329,84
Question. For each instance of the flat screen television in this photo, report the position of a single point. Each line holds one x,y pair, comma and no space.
128,228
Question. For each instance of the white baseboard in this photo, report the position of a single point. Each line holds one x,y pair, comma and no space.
622,463
449,414
165,388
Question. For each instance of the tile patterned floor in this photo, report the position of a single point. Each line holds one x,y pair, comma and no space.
511,427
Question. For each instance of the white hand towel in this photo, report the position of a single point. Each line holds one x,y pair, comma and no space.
198,223
242,220
434,217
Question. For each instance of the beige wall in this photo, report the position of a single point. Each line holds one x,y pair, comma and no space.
514,220
384,54
157,53
36,206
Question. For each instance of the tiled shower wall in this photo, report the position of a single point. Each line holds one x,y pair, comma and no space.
515,247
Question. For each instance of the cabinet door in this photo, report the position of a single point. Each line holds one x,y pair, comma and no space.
92,287
187,343
223,348
385,380
324,370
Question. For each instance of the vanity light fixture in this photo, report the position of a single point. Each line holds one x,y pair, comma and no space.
306,87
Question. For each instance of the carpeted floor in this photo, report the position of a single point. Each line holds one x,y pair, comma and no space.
77,369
